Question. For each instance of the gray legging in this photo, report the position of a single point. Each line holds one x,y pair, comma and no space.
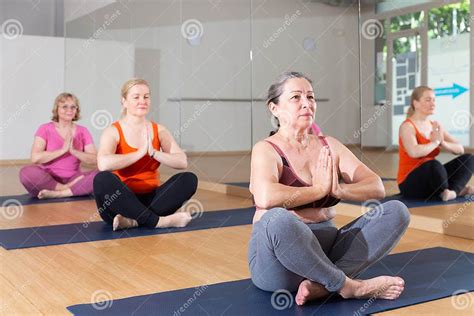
284,251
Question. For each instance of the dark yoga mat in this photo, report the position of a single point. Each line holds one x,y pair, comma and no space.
83,232
26,199
413,203
429,274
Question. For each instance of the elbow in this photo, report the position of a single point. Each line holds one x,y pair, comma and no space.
101,166
184,163
262,200
35,160
412,154
379,189
380,194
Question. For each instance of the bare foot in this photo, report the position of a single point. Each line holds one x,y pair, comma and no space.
468,190
179,219
385,287
122,222
47,194
448,195
308,291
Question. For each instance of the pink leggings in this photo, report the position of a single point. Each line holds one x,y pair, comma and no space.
34,179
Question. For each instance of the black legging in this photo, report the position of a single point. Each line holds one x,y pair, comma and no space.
114,197
431,178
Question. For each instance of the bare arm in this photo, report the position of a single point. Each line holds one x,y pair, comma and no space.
360,183
408,135
171,155
39,155
264,184
88,156
450,144
108,160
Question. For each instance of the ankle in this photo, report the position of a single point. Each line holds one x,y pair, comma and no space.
349,288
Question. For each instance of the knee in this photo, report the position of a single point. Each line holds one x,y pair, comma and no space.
468,161
26,174
434,165
191,180
436,170
398,212
101,180
278,219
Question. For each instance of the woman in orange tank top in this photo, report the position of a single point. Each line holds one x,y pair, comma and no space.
127,190
420,175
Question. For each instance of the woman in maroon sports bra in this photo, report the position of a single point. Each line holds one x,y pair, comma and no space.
295,181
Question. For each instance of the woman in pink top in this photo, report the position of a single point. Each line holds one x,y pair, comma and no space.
58,149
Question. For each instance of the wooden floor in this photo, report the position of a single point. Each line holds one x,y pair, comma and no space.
47,280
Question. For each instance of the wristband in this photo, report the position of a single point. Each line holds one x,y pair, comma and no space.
152,154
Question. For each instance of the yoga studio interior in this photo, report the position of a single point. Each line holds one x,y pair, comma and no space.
236,157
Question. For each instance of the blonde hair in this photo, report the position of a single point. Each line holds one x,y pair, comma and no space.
416,95
128,85
62,98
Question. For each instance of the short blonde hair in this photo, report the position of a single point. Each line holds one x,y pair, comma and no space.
62,98
128,85
416,95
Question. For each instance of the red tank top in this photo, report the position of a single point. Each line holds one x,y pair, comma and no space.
141,176
407,164
290,178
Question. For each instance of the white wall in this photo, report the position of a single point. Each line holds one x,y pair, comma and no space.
32,71
32,75
94,72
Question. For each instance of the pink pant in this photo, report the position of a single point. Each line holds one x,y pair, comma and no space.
35,179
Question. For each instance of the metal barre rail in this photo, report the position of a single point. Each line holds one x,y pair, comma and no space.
226,100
